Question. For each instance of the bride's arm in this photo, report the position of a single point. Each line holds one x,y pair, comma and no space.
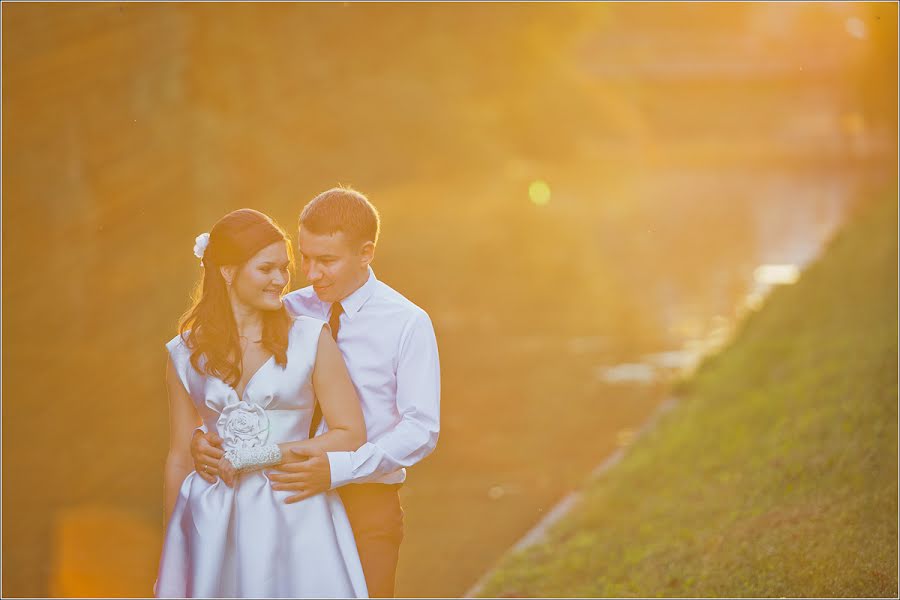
183,419
340,408
340,404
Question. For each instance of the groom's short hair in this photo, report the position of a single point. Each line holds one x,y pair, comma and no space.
342,209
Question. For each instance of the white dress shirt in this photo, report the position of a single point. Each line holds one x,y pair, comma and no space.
391,353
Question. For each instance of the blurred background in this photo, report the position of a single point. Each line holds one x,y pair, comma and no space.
585,197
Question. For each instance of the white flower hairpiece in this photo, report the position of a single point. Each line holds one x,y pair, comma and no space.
200,244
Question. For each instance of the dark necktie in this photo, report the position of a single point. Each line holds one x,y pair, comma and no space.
335,323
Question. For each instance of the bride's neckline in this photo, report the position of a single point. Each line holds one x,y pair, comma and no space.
240,394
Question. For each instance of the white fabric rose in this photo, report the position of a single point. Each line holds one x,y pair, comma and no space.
243,425
200,244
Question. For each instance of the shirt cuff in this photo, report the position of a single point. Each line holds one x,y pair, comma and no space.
203,428
341,468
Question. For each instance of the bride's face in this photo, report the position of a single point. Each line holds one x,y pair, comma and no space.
262,280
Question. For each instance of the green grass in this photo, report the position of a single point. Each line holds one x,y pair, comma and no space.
776,475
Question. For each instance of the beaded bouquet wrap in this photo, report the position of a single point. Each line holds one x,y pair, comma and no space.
250,459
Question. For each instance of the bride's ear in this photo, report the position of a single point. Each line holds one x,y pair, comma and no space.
367,253
228,272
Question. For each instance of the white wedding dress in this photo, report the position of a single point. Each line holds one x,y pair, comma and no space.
245,541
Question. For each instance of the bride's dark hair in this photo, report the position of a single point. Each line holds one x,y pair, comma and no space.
208,327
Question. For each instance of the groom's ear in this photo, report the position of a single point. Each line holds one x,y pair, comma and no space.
367,253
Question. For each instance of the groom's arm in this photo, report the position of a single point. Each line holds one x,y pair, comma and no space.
206,451
418,402
411,440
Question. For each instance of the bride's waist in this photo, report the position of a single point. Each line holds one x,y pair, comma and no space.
280,425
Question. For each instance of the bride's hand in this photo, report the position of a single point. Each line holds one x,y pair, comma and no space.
227,471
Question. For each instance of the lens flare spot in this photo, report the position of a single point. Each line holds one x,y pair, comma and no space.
856,27
496,492
539,193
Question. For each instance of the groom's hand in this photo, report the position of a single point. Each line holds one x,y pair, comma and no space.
307,472
206,450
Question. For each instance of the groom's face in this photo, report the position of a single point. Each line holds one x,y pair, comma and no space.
334,265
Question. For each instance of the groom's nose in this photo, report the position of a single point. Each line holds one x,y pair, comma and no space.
313,273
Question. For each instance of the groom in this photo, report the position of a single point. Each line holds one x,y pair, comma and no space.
391,353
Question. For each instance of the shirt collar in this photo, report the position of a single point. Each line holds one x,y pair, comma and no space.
355,301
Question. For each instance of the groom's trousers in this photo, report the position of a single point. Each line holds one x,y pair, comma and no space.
377,520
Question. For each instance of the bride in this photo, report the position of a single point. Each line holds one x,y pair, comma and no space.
252,374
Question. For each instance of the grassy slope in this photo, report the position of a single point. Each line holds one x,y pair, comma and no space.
777,473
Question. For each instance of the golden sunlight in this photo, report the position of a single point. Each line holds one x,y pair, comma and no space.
539,193
587,199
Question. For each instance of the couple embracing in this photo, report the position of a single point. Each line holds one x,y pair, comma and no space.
293,417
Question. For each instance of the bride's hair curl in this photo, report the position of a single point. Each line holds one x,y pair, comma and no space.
208,327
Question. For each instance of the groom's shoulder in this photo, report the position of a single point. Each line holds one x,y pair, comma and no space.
398,304
303,302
